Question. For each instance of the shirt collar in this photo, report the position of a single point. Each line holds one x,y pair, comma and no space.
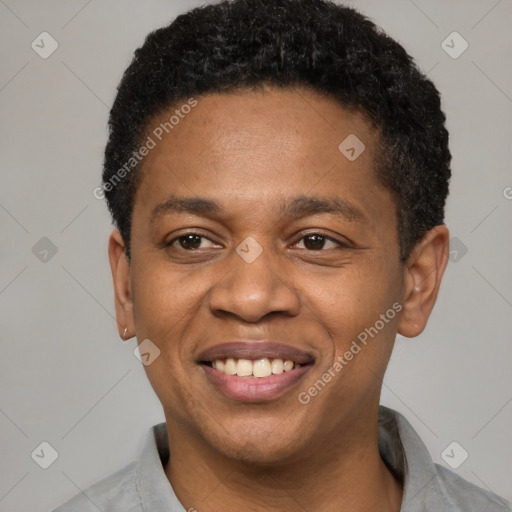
408,458
152,484
400,447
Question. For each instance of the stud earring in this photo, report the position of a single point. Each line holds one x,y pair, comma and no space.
125,332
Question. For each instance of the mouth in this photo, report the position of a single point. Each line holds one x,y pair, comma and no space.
254,371
258,369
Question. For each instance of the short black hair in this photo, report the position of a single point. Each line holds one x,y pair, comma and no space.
331,49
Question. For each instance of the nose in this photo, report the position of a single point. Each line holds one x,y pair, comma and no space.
251,291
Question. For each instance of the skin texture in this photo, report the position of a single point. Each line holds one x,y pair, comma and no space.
251,152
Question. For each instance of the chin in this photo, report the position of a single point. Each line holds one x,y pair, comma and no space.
255,443
257,456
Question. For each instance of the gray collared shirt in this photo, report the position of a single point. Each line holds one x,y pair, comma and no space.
142,486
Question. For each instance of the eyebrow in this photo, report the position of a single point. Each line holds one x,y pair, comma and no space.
196,205
304,206
297,207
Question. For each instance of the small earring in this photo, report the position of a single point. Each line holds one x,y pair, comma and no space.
124,332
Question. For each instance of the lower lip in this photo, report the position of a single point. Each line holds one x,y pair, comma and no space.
255,389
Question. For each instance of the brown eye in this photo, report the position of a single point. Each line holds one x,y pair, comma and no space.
314,242
190,242
317,242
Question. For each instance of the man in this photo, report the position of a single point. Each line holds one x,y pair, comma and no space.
277,172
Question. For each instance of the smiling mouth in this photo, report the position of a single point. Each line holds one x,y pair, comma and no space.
254,371
253,368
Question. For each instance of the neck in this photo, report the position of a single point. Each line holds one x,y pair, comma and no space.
344,473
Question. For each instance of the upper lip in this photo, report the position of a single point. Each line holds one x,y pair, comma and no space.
255,350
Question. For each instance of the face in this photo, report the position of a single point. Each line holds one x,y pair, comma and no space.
259,248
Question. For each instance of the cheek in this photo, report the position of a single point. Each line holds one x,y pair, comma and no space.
356,309
161,294
166,308
166,305
351,300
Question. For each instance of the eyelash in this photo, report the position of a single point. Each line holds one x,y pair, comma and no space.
318,233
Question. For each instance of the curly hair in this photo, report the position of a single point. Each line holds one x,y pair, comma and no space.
329,48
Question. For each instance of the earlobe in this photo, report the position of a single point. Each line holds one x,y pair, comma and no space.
120,267
424,271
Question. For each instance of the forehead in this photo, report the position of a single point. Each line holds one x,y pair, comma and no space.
256,146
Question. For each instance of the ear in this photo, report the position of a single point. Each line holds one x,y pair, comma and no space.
120,267
423,273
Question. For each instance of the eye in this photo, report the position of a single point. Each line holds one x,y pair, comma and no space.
317,242
191,242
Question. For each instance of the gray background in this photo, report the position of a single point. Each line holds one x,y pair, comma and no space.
66,377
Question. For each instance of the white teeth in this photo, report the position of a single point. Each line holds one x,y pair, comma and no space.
244,368
288,365
277,366
230,367
263,367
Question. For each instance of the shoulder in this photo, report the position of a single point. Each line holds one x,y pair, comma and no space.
116,493
459,494
428,486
